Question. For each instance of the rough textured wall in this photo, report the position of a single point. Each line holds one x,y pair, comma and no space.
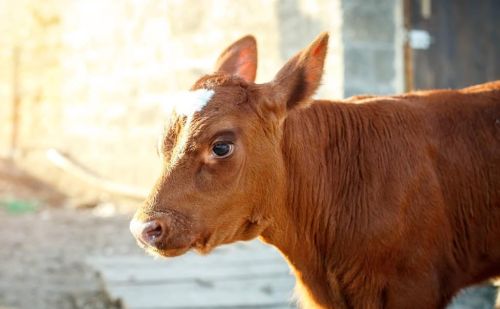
373,45
93,74
29,70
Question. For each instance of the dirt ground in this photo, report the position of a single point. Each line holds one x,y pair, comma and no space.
44,243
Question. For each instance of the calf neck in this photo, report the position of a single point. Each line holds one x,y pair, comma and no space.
392,202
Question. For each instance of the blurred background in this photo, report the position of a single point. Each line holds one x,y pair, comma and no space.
82,83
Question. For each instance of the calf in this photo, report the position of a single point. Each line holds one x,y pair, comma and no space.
375,202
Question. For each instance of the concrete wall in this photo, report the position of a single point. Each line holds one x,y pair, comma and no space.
29,69
93,74
372,37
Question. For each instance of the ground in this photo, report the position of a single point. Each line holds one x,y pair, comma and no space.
44,243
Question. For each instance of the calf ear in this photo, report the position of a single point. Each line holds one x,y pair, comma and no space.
240,59
299,78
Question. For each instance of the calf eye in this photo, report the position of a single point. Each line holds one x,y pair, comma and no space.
222,149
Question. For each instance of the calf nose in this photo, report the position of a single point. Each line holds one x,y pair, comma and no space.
150,232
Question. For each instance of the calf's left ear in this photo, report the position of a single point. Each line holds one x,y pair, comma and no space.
300,77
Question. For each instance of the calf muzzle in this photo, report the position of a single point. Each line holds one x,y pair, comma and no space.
150,232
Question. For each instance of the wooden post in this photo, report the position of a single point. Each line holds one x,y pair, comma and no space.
408,53
16,102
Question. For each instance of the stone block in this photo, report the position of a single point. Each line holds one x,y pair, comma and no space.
384,70
358,65
365,23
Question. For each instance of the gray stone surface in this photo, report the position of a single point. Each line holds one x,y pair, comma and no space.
370,47
384,69
478,297
241,275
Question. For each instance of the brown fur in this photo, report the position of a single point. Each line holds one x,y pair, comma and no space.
392,202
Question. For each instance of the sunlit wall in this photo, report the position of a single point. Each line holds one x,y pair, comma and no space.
90,76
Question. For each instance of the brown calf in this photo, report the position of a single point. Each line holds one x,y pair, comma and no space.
392,202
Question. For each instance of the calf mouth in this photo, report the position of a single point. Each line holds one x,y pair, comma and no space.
169,247
166,253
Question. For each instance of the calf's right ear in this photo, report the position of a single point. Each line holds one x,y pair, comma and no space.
240,59
300,77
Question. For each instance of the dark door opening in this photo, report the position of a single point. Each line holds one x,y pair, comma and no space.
456,43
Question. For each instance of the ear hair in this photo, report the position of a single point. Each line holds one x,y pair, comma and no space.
300,77
240,59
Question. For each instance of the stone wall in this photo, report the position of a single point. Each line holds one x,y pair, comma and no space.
372,36
29,70
92,75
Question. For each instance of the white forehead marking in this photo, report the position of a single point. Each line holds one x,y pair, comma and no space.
188,102
185,103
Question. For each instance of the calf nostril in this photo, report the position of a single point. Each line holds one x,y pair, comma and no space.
149,232
152,231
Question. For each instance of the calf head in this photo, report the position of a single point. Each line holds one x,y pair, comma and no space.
224,176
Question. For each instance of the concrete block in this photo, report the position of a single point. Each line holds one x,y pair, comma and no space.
365,23
384,66
358,65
